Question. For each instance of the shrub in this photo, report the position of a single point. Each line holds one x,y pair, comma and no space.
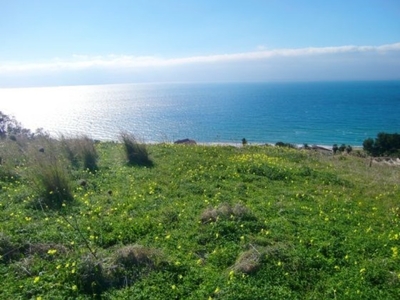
209,215
335,148
349,149
369,147
42,250
130,262
248,262
136,152
7,249
226,211
132,256
90,276
286,145
241,212
384,144
11,157
10,127
49,174
14,142
70,151
81,149
125,266
89,155
342,147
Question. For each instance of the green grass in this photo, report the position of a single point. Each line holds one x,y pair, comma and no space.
204,222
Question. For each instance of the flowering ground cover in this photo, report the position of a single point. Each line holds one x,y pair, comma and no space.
201,222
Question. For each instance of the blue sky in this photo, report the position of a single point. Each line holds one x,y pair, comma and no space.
44,43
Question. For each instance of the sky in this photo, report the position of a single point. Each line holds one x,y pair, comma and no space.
78,42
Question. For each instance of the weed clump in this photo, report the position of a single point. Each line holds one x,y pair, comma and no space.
225,211
130,263
134,255
7,249
251,260
11,158
90,276
50,175
122,268
81,150
209,215
248,262
45,250
24,267
136,153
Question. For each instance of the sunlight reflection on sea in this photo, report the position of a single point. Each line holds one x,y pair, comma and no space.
322,113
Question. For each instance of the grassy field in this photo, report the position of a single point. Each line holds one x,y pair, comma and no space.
196,222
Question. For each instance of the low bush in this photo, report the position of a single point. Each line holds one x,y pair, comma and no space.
49,174
7,249
123,267
385,144
90,276
10,127
287,145
45,250
11,158
136,153
226,211
131,262
81,151
248,262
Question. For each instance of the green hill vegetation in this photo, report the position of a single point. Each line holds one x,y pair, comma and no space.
78,220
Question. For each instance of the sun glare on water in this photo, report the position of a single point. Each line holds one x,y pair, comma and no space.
40,107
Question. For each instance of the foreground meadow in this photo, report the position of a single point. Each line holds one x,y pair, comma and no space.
199,222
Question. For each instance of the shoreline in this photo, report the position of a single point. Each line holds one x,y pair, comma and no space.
239,144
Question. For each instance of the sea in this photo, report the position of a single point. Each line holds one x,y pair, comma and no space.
321,113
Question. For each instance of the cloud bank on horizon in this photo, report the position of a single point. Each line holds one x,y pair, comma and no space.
79,62
317,63
47,42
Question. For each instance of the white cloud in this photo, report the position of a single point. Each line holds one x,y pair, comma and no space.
127,62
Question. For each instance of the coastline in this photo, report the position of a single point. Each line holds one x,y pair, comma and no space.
321,114
239,144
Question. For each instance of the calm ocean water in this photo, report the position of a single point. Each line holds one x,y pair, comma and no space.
313,113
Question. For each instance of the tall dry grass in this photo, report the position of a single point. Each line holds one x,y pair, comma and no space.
49,173
136,152
80,151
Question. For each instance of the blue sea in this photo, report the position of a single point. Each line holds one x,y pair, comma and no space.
320,113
